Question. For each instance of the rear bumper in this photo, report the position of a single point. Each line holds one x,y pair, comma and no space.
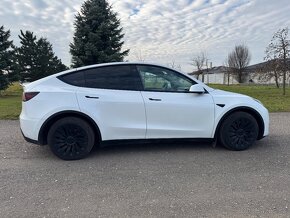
29,140
29,129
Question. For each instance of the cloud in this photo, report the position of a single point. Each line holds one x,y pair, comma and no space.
162,30
39,4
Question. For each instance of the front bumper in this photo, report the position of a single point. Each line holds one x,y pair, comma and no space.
265,115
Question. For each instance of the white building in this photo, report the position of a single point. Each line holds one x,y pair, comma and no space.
253,75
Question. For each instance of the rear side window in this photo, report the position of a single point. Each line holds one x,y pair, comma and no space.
122,77
119,77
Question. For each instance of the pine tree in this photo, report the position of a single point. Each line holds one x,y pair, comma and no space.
6,58
35,58
98,35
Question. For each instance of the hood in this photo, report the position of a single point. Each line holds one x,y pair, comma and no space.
221,93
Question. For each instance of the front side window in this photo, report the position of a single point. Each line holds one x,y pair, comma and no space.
162,79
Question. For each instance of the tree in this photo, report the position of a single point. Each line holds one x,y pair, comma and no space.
6,58
35,58
278,51
200,61
174,65
271,69
98,35
139,56
228,70
238,60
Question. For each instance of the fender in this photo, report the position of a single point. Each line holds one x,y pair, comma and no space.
42,136
249,110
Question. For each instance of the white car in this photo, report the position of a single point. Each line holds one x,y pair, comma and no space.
74,110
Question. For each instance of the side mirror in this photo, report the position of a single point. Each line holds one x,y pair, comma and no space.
197,88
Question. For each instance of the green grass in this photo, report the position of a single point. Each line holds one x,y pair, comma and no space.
10,102
270,96
10,107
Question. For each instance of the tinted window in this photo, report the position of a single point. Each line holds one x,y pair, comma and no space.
76,79
113,77
162,79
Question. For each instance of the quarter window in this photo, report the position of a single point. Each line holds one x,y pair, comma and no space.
75,79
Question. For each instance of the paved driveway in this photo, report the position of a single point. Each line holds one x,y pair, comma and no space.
182,180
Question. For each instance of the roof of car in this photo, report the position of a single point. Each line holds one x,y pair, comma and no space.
118,63
107,64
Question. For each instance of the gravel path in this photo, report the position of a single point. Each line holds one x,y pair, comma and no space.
180,180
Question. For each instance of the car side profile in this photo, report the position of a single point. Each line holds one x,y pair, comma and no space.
74,110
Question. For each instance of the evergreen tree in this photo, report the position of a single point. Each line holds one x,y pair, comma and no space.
98,35
6,58
35,58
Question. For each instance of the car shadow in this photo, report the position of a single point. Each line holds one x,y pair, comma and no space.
160,147
121,148
173,146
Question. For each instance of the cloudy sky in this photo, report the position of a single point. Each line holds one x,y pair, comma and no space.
161,31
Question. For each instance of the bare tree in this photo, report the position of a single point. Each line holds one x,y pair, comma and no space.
175,66
271,70
139,56
238,60
228,70
200,61
278,51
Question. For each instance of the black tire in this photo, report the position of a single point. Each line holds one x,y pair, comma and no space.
238,131
71,138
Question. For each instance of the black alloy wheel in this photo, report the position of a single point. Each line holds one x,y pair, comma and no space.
71,138
239,131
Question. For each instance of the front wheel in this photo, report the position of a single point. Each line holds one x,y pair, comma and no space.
239,131
71,138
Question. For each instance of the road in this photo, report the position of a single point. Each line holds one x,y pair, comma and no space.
177,180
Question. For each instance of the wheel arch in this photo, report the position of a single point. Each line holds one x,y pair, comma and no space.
42,136
249,110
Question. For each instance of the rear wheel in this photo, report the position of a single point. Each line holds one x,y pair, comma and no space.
239,131
71,138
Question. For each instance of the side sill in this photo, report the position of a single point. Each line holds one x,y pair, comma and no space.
154,141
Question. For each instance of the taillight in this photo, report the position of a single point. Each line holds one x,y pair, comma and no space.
29,95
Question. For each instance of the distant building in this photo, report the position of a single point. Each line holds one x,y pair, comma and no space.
216,75
252,74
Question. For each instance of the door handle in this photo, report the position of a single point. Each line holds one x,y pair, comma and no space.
91,97
155,99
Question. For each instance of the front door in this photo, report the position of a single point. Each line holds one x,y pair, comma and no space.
171,110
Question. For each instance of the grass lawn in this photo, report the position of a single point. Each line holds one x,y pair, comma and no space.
271,97
10,102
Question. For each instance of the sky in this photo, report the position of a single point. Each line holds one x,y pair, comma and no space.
164,31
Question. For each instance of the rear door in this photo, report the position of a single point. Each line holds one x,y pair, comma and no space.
112,97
